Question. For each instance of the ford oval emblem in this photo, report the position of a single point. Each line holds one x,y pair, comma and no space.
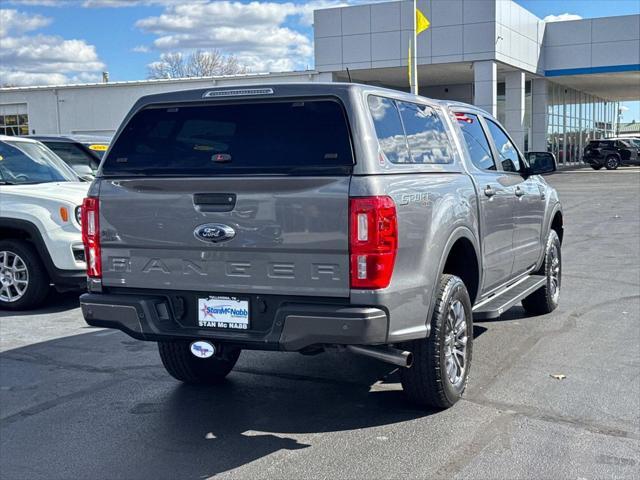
214,232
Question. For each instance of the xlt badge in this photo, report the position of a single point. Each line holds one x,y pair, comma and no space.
214,232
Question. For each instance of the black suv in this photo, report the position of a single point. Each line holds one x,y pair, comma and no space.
611,153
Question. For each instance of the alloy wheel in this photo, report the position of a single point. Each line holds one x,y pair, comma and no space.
455,343
554,273
14,277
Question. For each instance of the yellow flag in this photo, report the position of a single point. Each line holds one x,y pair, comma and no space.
422,22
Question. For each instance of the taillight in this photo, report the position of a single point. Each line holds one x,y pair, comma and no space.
90,223
373,241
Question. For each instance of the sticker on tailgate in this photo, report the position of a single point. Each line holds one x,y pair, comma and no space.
223,312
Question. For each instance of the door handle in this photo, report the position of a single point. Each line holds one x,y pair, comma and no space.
489,192
519,192
214,202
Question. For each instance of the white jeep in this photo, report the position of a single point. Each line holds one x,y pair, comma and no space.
40,238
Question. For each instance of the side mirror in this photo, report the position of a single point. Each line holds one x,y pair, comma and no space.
84,172
541,163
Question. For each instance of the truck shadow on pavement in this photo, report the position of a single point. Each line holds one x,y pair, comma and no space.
100,405
54,303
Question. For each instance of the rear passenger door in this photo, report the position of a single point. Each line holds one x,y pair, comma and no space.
495,202
527,201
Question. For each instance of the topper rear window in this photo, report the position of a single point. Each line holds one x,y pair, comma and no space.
271,137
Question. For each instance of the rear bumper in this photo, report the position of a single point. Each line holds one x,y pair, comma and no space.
293,325
593,160
65,280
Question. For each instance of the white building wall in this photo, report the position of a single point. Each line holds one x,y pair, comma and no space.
99,108
592,43
539,115
519,36
514,107
377,35
486,86
458,93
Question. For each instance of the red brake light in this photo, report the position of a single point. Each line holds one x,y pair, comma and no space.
90,216
461,117
373,241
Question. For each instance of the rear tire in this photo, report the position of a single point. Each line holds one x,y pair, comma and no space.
182,365
596,167
24,283
611,162
545,300
441,362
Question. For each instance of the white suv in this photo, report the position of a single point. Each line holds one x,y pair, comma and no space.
40,238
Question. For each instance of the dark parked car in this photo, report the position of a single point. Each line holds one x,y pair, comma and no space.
611,153
81,152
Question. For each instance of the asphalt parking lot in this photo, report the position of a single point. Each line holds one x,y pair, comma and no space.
78,402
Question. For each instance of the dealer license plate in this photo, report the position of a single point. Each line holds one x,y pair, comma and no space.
223,312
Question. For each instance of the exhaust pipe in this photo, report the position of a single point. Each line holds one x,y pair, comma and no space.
401,358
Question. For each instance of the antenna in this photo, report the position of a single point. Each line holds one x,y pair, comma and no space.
349,75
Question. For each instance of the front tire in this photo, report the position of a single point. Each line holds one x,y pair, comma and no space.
24,283
545,300
182,365
441,362
612,162
596,167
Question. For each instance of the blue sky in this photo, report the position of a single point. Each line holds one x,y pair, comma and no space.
58,41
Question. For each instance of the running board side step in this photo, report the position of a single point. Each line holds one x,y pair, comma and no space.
496,305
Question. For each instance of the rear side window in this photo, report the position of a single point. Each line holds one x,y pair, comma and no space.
409,133
389,131
476,141
289,137
426,135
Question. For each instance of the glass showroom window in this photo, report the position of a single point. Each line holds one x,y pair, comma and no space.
575,118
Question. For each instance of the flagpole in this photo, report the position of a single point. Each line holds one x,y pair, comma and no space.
413,80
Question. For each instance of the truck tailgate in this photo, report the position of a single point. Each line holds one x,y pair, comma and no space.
291,234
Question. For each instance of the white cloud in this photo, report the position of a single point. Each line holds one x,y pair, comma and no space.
42,59
15,22
263,35
140,49
254,32
39,3
132,3
563,17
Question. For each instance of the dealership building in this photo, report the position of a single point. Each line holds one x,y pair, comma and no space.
553,85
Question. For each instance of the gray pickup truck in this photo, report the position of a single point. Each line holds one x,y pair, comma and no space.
304,217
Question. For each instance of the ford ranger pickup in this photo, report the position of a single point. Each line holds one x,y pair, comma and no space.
306,217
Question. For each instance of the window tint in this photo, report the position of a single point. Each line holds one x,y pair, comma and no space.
74,154
290,137
476,141
426,135
24,163
389,129
507,153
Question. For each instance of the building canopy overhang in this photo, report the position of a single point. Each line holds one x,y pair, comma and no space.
611,85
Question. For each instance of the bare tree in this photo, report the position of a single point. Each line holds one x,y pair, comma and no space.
197,64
